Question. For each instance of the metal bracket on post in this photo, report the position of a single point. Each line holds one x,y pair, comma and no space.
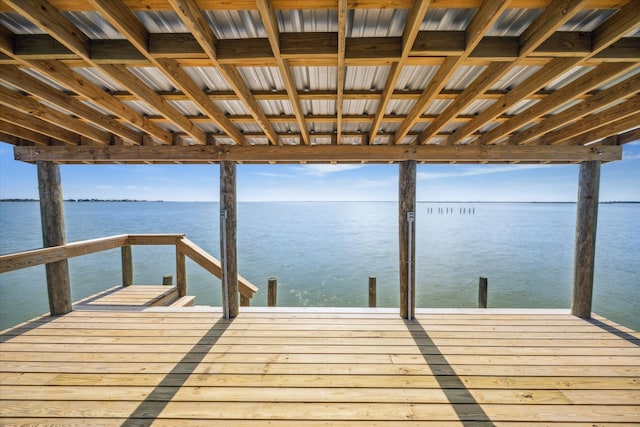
410,220
223,255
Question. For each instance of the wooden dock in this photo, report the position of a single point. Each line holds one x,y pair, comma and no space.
311,367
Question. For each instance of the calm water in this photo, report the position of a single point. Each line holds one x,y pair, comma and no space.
323,253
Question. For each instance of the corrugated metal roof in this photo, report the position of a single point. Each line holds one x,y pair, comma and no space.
489,126
437,106
142,108
93,25
98,78
234,108
515,77
566,106
42,78
451,127
447,19
477,106
359,106
249,127
262,78
235,24
366,78
587,20
153,78
318,107
415,77
464,76
208,127
400,106
17,24
315,78
522,106
186,108
96,107
376,22
307,20
567,77
513,22
161,21
207,78
276,107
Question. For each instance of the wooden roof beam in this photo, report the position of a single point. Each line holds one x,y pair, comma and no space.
546,24
319,153
40,126
13,75
484,18
591,80
19,132
192,17
270,22
128,24
33,108
342,46
630,136
584,125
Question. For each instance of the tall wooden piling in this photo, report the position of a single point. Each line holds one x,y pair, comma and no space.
585,245
407,234
228,238
53,234
272,292
482,292
372,291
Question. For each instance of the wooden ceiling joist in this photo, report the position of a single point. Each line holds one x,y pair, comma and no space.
77,86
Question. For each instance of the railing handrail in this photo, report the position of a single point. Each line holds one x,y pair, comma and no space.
34,257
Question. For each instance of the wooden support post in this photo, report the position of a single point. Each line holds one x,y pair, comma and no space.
181,273
585,246
482,293
272,295
372,291
407,208
167,280
53,234
228,238
127,265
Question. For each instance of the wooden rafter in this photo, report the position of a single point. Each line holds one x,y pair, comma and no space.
613,28
19,132
546,24
608,128
191,15
33,108
583,84
412,26
37,125
268,16
586,124
484,18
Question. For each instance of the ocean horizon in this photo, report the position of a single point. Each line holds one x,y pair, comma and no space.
322,253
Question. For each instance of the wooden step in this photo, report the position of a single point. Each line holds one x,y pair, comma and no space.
186,301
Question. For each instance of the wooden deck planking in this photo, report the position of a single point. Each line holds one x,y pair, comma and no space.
306,368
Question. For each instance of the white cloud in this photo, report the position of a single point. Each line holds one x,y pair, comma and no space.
323,170
479,170
275,174
631,156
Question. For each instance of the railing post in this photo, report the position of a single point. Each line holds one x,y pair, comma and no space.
482,293
53,234
372,291
272,293
127,265
585,246
181,272
167,280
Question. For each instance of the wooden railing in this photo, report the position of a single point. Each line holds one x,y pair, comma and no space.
184,248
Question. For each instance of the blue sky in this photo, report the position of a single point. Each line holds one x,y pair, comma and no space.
619,181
